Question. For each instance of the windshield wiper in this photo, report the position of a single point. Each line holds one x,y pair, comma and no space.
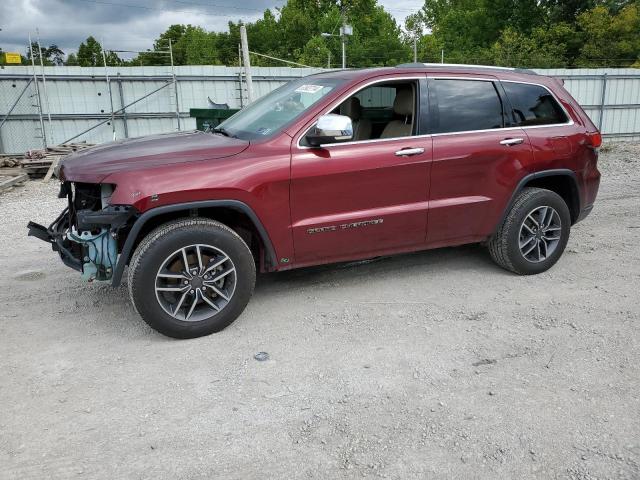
222,131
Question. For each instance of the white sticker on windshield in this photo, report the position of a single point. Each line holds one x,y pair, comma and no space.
309,88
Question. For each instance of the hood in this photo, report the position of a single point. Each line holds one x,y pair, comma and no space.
94,164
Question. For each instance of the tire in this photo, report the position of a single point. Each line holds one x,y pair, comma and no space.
156,272
512,240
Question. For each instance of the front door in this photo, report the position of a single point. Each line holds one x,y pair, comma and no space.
363,197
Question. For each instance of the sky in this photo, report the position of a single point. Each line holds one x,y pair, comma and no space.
131,24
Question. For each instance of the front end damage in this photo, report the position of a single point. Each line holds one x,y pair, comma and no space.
87,233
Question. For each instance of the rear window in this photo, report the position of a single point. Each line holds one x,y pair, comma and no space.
533,105
463,105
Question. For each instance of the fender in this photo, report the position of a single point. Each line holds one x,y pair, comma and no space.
270,255
532,176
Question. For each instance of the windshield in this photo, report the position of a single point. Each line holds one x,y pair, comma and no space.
271,113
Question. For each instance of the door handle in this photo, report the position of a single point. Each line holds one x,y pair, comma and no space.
407,152
511,141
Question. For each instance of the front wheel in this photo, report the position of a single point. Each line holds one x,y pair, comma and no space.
191,277
534,233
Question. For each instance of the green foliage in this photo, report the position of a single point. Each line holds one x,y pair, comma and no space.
90,55
527,33
544,48
51,55
610,39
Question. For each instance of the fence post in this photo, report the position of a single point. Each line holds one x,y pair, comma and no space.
175,84
106,75
124,110
44,86
603,95
38,100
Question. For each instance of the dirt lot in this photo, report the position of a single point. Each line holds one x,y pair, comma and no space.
430,365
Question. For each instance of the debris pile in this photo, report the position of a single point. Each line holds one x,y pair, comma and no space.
40,163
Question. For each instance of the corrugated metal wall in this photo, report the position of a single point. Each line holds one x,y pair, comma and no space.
77,98
617,114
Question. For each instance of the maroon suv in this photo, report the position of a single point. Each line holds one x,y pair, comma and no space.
332,167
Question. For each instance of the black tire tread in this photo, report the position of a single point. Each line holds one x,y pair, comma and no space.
148,242
498,243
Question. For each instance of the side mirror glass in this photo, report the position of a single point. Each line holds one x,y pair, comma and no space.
330,128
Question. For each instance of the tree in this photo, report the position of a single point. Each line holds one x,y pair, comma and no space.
316,53
541,49
610,39
90,54
51,55
198,47
72,60
565,10
469,27
54,55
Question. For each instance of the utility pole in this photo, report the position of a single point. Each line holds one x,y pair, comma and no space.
345,30
329,59
415,50
247,62
442,56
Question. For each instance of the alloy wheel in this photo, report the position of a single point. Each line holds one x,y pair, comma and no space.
540,234
195,282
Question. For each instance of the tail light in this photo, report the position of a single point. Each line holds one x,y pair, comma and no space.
594,139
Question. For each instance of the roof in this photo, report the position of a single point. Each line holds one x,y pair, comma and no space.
462,66
503,72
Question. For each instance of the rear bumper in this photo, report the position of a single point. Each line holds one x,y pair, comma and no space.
584,213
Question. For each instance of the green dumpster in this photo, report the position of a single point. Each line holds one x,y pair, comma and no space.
210,117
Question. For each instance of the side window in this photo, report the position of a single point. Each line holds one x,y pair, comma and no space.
462,105
382,111
533,105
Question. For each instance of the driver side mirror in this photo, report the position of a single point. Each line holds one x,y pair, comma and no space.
330,128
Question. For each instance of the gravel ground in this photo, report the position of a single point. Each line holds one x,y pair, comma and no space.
430,365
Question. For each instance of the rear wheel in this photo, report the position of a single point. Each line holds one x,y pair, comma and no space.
191,277
534,233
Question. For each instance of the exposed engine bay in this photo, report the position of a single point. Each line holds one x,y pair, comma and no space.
85,234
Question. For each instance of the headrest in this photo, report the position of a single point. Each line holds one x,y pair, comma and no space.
403,103
351,108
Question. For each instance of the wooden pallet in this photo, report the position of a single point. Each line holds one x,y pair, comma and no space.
41,163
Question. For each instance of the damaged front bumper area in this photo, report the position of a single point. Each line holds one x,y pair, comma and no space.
86,238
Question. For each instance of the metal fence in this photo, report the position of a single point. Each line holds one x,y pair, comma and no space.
610,96
95,104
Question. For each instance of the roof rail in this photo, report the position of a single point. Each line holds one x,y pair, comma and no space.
463,65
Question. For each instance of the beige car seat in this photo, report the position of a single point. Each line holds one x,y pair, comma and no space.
361,126
402,105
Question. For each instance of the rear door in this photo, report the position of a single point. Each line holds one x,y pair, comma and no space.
477,154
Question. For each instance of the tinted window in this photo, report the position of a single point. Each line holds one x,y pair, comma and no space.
461,105
533,105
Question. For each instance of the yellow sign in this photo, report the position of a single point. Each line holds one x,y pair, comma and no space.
12,57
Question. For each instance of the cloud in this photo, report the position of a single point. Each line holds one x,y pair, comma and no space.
129,24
